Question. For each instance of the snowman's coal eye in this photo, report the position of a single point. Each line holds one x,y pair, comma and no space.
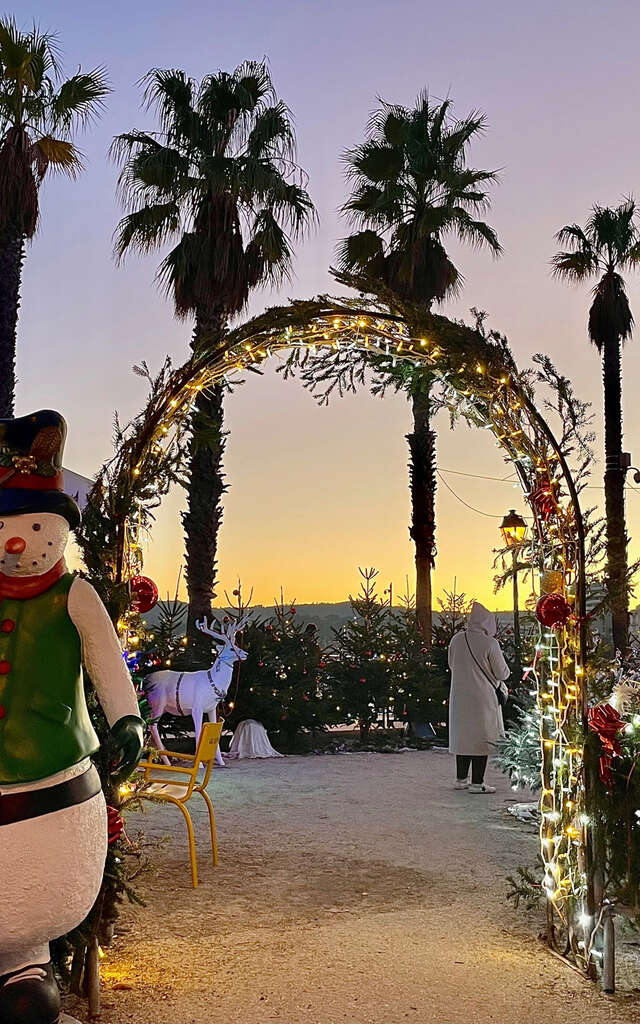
36,527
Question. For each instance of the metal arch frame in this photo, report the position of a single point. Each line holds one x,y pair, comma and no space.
324,323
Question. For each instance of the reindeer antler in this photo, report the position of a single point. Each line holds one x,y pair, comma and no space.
204,627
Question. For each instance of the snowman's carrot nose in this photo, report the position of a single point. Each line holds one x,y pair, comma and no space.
15,546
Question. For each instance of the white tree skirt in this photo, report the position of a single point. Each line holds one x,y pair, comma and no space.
527,812
250,740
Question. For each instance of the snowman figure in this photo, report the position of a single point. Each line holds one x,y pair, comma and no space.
53,823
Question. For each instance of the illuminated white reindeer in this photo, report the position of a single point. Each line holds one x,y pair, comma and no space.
196,693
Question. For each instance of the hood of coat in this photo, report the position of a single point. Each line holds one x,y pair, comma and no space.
482,620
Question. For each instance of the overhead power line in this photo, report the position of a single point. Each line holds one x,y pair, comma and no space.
488,515
511,478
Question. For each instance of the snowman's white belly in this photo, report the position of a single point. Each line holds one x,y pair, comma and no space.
51,870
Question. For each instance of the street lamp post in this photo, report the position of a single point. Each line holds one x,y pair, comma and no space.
514,531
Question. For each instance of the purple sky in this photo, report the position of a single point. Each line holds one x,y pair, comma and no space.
315,492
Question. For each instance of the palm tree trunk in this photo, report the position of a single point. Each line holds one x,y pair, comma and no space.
614,480
422,446
202,520
11,258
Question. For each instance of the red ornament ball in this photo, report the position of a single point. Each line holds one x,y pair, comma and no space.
553,610
115,825
144,594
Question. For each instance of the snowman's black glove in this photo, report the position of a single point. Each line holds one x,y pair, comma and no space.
128,737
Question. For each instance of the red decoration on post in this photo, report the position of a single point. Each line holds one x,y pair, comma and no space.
553,610
115,825
607,724
144,594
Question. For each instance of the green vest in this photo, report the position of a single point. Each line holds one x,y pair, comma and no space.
44,721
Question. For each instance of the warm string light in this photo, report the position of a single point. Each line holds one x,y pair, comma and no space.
491,395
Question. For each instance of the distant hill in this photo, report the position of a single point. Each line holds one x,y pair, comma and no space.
324,615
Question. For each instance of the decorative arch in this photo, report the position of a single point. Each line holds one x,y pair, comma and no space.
484,384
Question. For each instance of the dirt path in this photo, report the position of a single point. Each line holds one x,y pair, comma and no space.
351,888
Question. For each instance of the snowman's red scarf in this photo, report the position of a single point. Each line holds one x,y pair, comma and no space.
22,587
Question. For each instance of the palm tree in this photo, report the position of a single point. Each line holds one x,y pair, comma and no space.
607,245
218,179
39,113
411,187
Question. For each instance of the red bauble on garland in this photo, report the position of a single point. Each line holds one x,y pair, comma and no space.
115,825
144,594
553,610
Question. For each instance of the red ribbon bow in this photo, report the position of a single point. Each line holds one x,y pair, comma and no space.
607,724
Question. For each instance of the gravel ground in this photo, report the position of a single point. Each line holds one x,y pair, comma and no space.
355,887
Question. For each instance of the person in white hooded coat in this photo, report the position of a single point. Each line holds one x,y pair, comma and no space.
478,669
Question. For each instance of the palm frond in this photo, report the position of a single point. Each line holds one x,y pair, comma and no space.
375,161
80,99
272,132
361,252
254,83
573,235
124,145
456,140
395,126
293,205
171,93
574,265
158,168
32,54
57,154
146,228
474,232
632,256
380,207
272,243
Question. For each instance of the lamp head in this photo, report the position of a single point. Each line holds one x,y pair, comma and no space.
513,529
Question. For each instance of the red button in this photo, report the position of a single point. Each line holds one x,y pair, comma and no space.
7,625
3,711
5,668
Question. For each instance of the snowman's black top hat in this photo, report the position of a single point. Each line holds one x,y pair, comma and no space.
31,477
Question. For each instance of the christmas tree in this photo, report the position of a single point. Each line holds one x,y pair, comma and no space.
360,669
282,684
519,754
420,677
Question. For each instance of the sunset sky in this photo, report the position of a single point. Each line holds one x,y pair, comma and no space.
316,492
